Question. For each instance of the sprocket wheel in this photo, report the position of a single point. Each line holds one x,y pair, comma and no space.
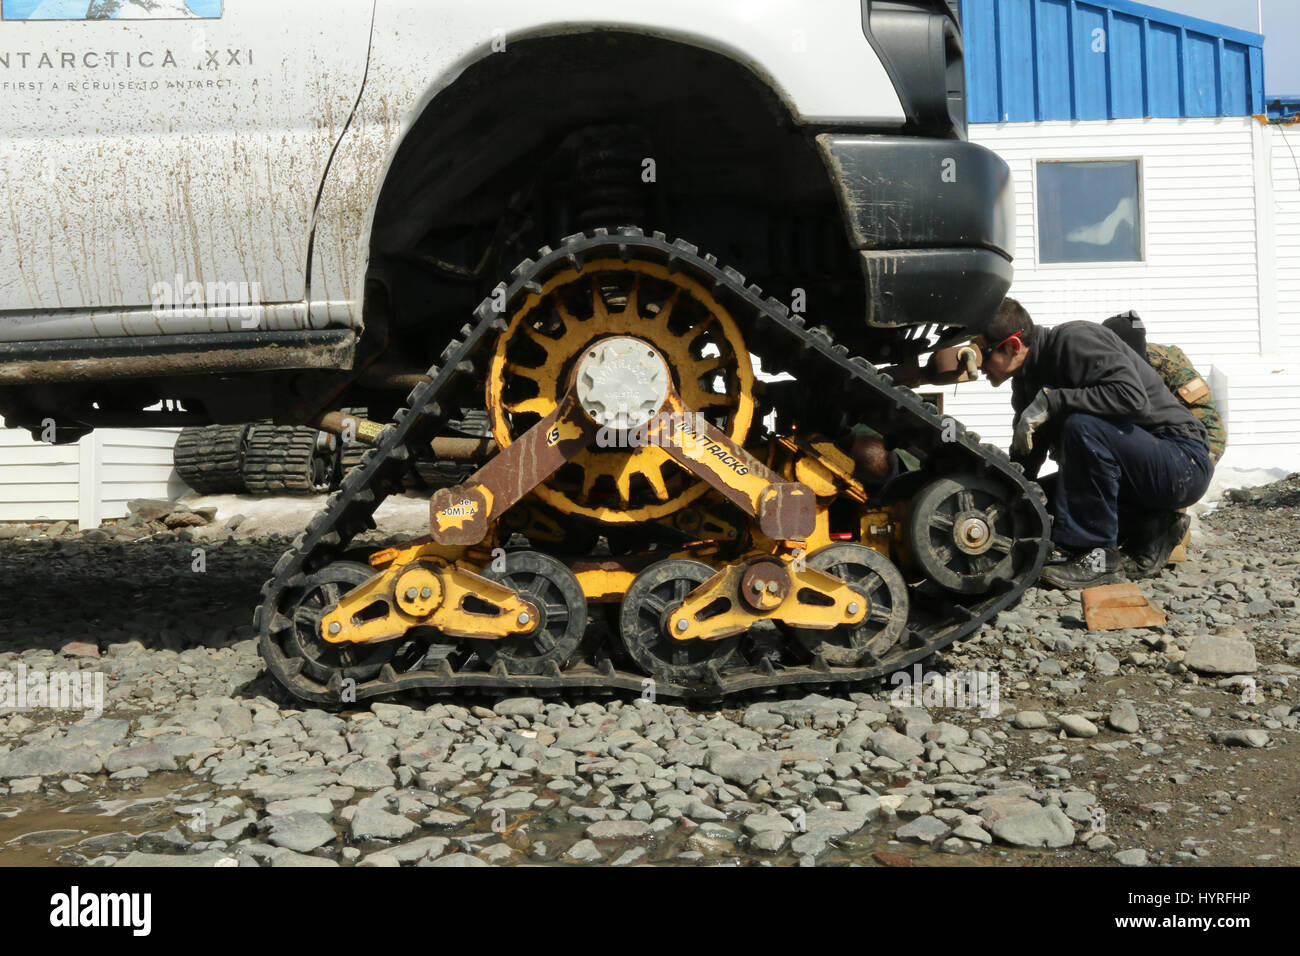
321,659
643,624
558,596
681,318
884,591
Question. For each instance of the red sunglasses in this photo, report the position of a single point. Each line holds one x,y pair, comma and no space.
988,350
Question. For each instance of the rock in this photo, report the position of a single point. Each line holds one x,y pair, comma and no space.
954,846
584,851
48,760
1043,827
458,859
441,777
1241,738
368,774
822,826
79,649
557,767
1134,857
965,763
152,756
890,743
926,829
1123,717
519,800
425,847
289,858
741,768
301,831
380,825
757,823
496,854
769,841
206,858
529,707
1030,720
631,858
321,806
1077,726
1106,664
184,519
606,830
152,509
758,717
969,829
913,807
946,735
1221,655
443,819
1100,843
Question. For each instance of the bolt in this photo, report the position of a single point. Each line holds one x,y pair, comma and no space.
523,617
682,625
853,608
335,627
426,593
411,593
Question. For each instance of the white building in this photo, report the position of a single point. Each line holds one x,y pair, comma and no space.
1207,244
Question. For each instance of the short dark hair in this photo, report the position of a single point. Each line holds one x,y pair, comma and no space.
1011,317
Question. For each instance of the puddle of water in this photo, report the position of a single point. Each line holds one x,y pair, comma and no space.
49,829
46,827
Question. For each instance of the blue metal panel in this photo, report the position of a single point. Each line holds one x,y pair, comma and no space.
980,41
1128,65
1016,58
1091,77
1104,59
1235,85
1055,90
1164,70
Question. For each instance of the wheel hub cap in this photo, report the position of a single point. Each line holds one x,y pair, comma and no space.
622,382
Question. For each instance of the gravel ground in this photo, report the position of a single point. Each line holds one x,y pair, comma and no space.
1176,745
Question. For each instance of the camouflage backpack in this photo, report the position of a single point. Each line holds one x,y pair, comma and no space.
1183,380
1179,375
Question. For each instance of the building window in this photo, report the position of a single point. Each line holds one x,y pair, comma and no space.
1089,212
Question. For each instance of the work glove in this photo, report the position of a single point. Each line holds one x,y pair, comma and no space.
1031,419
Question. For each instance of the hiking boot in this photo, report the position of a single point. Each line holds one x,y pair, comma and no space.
1147,559
1084,569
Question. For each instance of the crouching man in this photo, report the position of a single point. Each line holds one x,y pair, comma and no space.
1120,438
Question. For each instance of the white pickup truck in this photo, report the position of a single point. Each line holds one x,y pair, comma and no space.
225,210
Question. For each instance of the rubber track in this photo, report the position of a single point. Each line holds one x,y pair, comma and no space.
777,337
279,460
210,459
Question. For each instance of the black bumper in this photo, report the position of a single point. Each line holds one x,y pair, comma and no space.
934,220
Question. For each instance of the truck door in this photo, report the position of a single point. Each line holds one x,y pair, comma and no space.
158,154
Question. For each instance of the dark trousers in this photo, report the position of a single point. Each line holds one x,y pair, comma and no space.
1116,474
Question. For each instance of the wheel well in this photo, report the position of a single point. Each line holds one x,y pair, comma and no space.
561,133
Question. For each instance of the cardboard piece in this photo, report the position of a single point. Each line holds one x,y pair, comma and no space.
1112,607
